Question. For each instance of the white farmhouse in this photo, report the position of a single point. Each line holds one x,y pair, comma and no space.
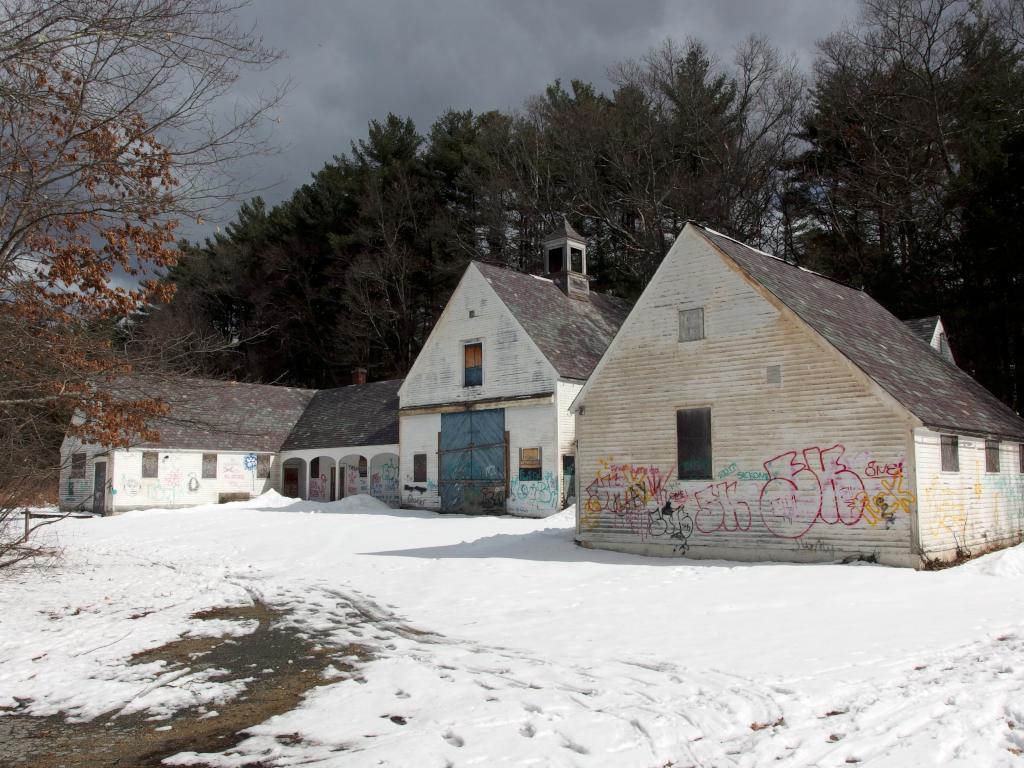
484,413
749,409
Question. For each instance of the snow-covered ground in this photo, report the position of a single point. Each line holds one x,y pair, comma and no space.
497,641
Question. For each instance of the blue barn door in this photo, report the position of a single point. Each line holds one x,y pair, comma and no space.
472,455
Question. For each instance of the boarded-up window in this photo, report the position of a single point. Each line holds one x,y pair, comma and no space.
209,465
150,464
773,374
950,453
314,468
991,455
362,466
529,464
78,466
1020,459
474,365
693,443
419,468
263,465
691,324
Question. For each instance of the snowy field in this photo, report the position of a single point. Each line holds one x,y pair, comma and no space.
497,641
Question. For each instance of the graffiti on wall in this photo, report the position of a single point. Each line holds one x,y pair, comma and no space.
318,487
798,491
384,482
997,500
539,494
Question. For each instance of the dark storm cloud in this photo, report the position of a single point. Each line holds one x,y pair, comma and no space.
353,61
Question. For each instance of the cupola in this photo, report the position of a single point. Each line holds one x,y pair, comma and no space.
565,260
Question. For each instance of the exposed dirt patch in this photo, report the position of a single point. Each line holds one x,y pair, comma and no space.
279,662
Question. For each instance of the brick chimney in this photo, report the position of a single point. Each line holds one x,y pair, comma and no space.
358,375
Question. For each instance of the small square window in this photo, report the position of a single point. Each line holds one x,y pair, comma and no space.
150,464
78,466
529,464
991,455
773,374
419,468
209,465
950,445
691,324
263,465
474,365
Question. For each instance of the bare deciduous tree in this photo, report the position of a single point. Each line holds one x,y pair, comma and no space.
114,125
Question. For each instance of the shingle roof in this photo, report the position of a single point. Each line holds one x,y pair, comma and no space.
923,327
207,414
360,414
936,391
572,334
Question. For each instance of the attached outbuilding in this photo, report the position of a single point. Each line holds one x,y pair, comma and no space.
484,419
219,442
749,409
345,443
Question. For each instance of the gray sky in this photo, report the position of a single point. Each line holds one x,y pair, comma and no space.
354,60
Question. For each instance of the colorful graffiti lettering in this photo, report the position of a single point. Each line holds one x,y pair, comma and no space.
892,497
796,491
874,469
717,510
807,487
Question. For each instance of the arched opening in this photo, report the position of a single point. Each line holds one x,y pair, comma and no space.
384,478
293,478
322,479
352,475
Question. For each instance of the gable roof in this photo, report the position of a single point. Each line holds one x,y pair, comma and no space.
923,327
214,415
360,414
572,334
933,389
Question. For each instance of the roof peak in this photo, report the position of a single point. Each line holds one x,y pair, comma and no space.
564,230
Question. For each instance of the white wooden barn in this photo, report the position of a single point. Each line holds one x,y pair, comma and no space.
226,441
484,419
752,410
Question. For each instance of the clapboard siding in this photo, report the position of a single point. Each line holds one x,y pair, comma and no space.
533,427
418,434
970,511
513,366
565,395
626,455
75,493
